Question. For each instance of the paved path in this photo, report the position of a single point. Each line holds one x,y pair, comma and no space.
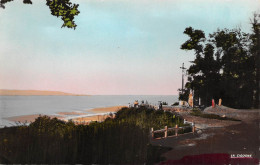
232,138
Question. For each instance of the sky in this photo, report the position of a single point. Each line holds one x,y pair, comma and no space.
120,47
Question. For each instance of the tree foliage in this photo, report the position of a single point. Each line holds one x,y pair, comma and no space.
59,8
255,51
226,66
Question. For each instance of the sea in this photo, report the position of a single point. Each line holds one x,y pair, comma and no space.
11,106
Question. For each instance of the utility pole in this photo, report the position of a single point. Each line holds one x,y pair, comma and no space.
183,73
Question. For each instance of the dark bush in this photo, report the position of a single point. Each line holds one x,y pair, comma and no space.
122,140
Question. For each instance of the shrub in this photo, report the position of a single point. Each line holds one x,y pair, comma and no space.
122,140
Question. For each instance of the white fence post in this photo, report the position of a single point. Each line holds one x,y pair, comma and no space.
193,127
176,130
166,132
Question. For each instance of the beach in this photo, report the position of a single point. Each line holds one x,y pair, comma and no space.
107,109
100,114
28,118
88,119
104,114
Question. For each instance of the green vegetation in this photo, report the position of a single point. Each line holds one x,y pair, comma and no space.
123,139
226,65
196,112
148,117
59,8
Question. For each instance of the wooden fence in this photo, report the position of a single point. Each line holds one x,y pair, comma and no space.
175,129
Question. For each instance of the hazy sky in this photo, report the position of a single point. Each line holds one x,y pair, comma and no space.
119,46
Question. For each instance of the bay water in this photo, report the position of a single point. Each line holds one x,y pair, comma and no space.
11,106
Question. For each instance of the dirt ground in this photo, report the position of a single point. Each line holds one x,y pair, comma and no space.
217,136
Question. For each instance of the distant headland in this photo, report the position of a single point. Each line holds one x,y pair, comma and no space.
7,92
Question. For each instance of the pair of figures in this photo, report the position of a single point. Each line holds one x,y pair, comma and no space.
219,102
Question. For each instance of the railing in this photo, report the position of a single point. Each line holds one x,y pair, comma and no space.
176,129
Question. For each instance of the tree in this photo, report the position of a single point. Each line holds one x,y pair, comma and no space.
226,66
255,50
59,8
204,71
236,86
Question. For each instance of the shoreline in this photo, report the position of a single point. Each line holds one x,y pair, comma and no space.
29,118
107,109
102,114
97,114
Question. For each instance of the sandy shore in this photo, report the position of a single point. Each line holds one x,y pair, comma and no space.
85,119
107,109
88,119
71,113
28,118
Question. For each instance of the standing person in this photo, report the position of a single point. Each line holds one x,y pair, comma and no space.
142,103
213,103
220,102
190,101
160,106
136,104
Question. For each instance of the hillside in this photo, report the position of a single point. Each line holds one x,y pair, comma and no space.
5,92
